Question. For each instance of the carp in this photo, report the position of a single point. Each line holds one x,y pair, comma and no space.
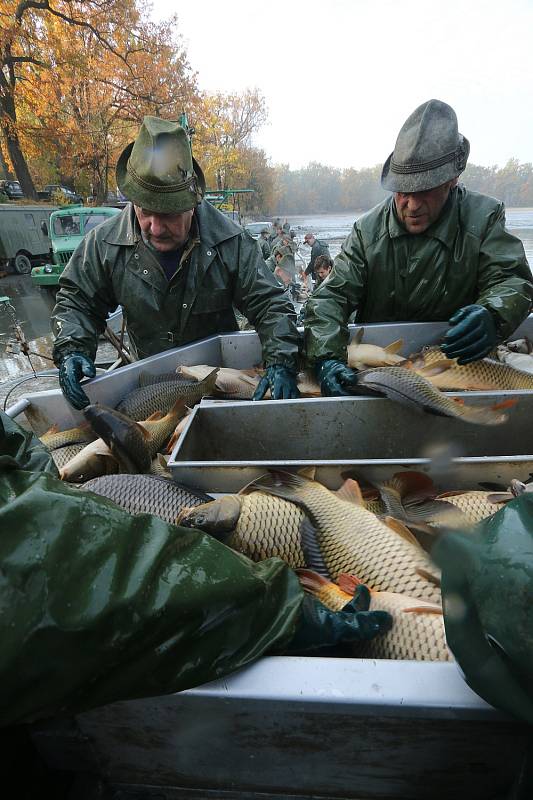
62,455
230,383
413,390
146,494
340,535
417,632
92,460
484,375
143,402
127,440
371,355
54,438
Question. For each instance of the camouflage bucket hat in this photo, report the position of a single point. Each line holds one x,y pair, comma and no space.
429,150
158,172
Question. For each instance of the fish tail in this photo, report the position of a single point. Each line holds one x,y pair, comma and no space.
349,583
311,580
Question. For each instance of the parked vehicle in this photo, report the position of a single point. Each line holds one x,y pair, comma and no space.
255,228
53,188
23,241
68,226
12,189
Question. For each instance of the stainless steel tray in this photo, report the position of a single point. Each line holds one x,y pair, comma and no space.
239,350
227,444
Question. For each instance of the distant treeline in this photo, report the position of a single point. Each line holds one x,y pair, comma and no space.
318,189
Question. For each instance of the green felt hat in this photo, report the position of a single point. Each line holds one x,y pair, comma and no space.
429,150
158,172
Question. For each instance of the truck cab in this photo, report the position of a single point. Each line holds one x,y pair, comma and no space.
68,226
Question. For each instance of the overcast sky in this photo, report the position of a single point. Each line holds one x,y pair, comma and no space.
340,77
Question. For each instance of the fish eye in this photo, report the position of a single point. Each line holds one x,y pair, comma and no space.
200,519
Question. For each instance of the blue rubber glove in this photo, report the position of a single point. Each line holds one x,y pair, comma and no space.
472,335
281,381
318,627
335,378
72,368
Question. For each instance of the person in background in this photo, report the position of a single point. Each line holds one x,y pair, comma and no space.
431,251
175,264
318,248
323,267
263,243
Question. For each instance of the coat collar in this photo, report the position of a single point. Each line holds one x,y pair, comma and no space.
444,228
213,226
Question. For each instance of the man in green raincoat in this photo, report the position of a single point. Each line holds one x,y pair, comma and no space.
432,251
175,264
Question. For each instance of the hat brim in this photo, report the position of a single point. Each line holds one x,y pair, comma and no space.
160,202
421,181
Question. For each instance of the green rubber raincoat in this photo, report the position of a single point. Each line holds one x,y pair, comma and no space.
487,592
221,266
98,605
385,274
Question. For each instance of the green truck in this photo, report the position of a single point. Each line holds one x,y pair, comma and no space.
68,226
24,238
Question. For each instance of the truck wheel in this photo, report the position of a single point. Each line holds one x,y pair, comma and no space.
22,264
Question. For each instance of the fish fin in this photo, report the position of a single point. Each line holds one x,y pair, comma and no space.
509,403
350,492
428,576
370,493
308,472
452,493
155,416
413,484
393,347
311,548
179,407
429,609
311,580
251,486
358,338
53,429
500,497
348,583
399,528
213,373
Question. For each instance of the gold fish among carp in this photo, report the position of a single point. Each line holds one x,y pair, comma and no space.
54,438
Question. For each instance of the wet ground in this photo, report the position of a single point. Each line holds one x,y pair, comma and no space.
32,308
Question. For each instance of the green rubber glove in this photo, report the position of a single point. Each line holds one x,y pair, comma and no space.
72,368
335,378
319,627
281,381
472,334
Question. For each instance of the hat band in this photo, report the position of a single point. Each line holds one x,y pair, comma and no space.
405,169
190,183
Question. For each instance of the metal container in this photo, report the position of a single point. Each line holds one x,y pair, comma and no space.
240,350
288,727
225,445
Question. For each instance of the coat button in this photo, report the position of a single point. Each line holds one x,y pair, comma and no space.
184,305
145,272
209,252
136,256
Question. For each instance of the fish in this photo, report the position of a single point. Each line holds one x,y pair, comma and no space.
255,524
371,355
161,427
417,632
522,362
159,467
413,390
54,438
62,455
468,507
127,440
146,494
231,383
517,487
91,461
484,375
520,346
308,385
141,403
383,553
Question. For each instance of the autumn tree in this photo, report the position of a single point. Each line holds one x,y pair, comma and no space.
80,75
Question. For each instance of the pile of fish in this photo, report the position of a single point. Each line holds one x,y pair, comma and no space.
380,536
